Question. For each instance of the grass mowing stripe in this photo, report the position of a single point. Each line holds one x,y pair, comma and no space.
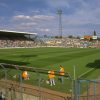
50,58
65,57
83,74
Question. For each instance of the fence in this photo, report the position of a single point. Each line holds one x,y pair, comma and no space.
79,89
87,89
16,89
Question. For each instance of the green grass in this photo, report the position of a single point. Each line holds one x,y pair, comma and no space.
83,58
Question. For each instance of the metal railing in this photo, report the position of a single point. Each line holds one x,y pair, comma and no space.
18,86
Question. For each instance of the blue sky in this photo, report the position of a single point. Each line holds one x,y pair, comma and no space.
79,17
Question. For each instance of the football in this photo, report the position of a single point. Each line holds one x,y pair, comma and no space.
47,82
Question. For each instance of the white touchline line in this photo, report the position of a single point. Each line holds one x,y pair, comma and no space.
86,72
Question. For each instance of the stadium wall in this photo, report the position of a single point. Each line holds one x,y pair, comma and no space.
16,91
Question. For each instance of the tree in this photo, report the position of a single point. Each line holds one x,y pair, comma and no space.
70,36
45,36
94,33
78,37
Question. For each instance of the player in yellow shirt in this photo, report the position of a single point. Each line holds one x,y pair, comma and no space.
61,74
25,75
51,76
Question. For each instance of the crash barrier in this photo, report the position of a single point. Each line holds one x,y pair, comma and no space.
31,69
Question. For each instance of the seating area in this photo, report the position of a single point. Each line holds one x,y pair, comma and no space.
14,40
71,42
18,42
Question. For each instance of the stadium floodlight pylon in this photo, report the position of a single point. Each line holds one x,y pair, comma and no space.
59,12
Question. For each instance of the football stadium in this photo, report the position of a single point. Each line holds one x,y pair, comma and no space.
80,59
49,50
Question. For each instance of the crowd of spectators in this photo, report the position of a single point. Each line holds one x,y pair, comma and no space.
65,42
71,43
16,42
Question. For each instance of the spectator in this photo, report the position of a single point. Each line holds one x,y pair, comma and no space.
61,74
25,75
51,76
2,96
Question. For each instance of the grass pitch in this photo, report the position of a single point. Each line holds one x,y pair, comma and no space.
84,59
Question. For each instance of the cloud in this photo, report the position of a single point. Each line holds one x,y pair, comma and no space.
44,30
85,15
29,24
1,18
21,17
34,18
43,17
78,16
3,5
37,23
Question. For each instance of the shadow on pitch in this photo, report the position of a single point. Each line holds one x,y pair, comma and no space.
13,62
95,64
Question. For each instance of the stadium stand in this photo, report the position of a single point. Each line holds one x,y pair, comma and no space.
72,42
16,39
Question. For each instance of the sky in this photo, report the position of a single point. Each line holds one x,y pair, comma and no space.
79,17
